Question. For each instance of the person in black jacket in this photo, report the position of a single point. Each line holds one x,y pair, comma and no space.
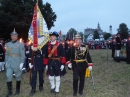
2,57
37,66
55,62
113,47
78,58
118,45
128,50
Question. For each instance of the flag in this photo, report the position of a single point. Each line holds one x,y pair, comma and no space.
38,33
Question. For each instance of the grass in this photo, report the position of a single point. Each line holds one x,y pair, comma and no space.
112,79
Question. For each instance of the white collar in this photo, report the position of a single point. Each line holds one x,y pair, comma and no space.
53,42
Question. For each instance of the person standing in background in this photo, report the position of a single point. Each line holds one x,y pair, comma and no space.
113,47
118,45
128,50
2,55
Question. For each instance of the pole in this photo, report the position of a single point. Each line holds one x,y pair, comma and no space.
92,80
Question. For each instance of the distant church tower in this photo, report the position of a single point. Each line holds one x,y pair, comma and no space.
98,27
110,29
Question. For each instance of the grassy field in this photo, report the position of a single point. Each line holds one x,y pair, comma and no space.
112,79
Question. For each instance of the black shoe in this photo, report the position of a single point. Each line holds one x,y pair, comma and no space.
74,94
41,87
32,92
17,88
53,90
81,93
56,93
9,85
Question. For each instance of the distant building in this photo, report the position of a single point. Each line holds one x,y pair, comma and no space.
89,31
90,37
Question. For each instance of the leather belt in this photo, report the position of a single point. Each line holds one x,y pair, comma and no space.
78,61
55,59
14,55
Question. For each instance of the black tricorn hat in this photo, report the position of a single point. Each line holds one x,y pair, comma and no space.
14,33
54,33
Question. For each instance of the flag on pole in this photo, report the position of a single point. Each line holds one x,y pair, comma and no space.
38,33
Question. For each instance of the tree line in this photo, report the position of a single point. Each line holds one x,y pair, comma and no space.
18,14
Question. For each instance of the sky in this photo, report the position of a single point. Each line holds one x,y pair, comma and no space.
82,14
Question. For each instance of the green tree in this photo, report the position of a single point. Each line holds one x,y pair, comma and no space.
18,14
96,34
123,29
107,35
71,33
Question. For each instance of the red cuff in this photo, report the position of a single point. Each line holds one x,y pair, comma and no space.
68,62
90,64
63,60
45,61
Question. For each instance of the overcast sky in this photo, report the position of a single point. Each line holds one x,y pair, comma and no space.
80,14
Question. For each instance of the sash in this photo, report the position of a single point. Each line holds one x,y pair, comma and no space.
52,51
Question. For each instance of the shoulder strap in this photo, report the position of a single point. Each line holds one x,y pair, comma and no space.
52,51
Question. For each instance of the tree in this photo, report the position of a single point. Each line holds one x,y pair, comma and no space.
71,33
18,14
96,34
123,29
107,35
48,15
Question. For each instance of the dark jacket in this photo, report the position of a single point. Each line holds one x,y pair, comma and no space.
118,43
58,53
113,45
79,53
2,54
37,58
128,45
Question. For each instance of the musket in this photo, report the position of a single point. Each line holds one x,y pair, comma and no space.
92,80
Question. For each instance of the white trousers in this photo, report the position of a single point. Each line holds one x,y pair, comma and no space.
118,53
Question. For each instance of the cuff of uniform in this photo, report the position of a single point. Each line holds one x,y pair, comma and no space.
45,61
68,62
90,64
63,60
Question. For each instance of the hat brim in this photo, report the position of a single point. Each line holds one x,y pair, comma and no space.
54,34
14,34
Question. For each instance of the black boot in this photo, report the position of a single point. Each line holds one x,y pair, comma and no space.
75,87
53,90
41,87
75,93
9,85
17,88
32,91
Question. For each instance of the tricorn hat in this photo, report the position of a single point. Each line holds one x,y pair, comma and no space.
54,33
77,36
14,33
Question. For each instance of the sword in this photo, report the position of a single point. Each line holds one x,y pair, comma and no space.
92,80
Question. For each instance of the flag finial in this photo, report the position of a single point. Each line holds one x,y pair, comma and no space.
14,29
37,2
